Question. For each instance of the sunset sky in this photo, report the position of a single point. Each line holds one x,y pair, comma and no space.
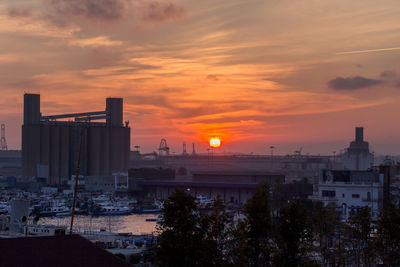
287,73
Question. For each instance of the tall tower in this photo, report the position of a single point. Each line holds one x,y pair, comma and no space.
3,142
114,108
31,109
358,156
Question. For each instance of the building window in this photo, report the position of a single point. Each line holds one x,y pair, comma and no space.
369,196
342,195
355,195
327,193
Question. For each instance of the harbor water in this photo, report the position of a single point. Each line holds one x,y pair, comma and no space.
134,223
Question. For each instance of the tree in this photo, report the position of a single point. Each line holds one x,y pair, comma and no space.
293,236
358,236
324,222
179,231
217,232
189,237
251,242
388,235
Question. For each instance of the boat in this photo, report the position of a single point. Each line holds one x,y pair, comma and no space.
203,202
148,208
110,210
102,198
4,208
54,211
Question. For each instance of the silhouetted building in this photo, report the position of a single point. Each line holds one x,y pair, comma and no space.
357,157
50,145
390,172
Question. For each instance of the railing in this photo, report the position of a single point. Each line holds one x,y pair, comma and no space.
370,199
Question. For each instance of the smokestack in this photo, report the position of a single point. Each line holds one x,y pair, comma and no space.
359,134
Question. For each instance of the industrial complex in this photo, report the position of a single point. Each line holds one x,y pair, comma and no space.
50,145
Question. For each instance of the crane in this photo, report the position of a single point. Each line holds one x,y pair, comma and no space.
163,149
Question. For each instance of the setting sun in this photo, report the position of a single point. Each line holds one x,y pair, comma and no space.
215,142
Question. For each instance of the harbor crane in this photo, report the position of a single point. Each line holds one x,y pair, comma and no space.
163,149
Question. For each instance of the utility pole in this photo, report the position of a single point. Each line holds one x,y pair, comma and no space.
76,181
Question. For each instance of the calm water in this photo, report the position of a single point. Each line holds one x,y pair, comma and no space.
134,223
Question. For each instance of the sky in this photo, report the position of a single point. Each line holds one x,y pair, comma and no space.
285,73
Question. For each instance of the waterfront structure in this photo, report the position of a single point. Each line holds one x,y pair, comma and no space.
231,186
358,157
50,145
348,191
116,182
294,167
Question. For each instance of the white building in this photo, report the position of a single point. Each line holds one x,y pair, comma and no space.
351,190
357,157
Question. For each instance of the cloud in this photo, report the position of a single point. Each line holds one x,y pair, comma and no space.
94,42
91,9
388,74
19,12
368,51
352,83
212,77
160,12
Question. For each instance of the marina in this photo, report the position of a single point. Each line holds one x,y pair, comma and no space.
137,224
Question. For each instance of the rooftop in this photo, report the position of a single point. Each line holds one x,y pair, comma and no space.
69,250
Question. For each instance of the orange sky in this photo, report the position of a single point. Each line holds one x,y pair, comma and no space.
287,73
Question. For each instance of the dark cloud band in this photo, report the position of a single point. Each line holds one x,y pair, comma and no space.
352,83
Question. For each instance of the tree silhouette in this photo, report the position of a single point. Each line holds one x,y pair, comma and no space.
251,243
358,240
294,236
388,235
324,220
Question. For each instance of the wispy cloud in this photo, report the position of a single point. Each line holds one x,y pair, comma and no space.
388,74
91,9
160,12
19,12
95,42
368,51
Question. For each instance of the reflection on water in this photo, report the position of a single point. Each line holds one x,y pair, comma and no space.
134,223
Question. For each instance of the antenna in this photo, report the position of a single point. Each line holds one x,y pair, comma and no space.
3,142
272,150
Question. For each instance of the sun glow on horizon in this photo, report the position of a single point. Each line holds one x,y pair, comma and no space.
215,142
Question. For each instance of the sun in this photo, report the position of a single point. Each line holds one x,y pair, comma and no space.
215,142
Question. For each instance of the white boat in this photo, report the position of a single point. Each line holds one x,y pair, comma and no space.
204,202
110,210
55,211
101,198
5,208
